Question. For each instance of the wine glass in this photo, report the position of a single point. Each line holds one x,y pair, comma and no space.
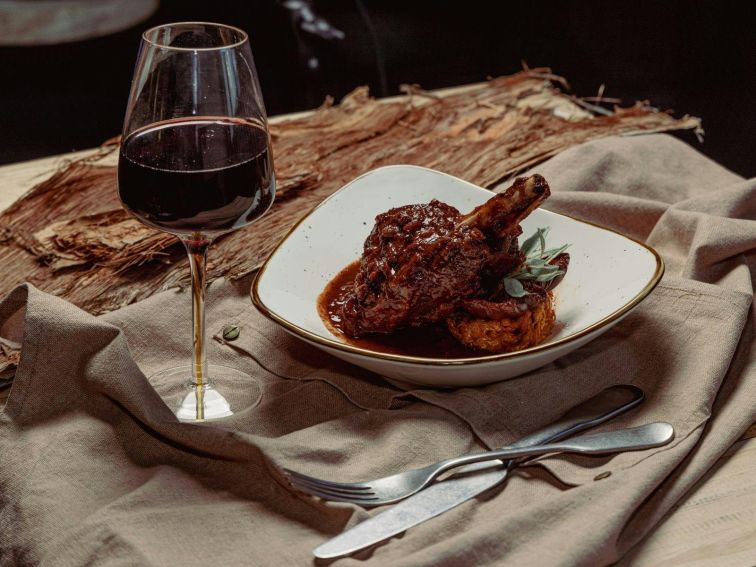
195,161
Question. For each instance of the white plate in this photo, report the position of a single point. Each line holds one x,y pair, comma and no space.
609,275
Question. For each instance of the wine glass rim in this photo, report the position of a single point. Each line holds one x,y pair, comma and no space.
243,40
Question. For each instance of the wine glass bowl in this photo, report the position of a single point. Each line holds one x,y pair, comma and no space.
195,161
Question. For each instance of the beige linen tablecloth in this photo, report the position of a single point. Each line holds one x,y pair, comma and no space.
96,471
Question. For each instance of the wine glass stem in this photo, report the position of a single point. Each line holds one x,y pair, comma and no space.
196,247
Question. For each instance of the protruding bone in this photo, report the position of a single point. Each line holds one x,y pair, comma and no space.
504,212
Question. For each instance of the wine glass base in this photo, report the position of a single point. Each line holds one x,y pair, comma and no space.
206,402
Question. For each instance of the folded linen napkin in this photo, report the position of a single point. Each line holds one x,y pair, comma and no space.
96,470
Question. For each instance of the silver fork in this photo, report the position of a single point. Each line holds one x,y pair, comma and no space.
398,486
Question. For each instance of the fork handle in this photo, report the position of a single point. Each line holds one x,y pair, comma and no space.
632,439
604,406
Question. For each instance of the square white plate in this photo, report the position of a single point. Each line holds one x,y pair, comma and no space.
609,275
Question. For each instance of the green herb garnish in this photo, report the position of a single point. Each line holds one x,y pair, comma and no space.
536,266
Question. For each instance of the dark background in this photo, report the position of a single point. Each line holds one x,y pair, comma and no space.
695,57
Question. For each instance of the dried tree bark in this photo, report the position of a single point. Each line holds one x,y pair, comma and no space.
69,235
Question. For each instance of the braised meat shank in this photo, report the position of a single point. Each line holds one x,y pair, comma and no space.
421,262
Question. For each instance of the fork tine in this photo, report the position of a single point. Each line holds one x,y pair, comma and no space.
321,482
337,497
330,489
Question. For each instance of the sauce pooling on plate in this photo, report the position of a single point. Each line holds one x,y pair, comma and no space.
429,341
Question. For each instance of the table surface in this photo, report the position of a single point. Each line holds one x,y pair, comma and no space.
715,525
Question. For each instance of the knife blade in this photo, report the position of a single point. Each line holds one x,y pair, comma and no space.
475,479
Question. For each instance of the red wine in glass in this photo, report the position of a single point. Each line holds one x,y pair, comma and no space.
206,175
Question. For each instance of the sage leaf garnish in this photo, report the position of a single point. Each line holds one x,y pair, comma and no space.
538,237
537,265
514,288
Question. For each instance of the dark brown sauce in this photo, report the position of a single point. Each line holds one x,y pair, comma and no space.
431,341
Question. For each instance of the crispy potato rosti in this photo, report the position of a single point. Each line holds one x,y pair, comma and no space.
505,335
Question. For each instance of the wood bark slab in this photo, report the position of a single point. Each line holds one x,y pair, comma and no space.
69,236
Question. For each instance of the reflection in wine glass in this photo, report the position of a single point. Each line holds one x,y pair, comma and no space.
195,161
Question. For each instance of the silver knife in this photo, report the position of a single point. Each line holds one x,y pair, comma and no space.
446,494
